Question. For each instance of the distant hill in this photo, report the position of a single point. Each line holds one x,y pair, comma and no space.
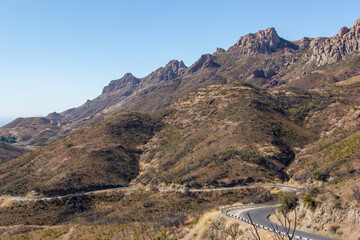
96,157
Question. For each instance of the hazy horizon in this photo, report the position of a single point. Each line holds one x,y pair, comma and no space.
4,121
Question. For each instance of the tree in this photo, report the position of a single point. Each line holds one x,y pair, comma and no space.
9,139
286,229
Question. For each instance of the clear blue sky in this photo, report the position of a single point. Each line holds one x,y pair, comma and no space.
56,54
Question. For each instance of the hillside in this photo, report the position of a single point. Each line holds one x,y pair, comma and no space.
263,59
223,135
100,156
266,110
8,152
334,157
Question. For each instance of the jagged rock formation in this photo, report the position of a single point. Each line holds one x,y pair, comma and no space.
205,61
263,59
331,50
264,41
171,71
127,81
218,51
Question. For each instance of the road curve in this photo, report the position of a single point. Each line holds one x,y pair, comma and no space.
285,187
260,217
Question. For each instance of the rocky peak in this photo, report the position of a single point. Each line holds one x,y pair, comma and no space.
172,70
264,41
175,66
205,61
331,50
54,116
218,51
128,80
343,31
304,42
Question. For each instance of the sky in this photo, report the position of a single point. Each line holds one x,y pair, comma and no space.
55,55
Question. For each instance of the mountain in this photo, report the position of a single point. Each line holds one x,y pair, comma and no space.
263,59
223,135
266,110
96,157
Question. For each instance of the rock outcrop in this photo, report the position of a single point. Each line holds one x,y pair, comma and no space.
205,61
170,71
264,41
304,43
127,81
218,51
331,50
54,116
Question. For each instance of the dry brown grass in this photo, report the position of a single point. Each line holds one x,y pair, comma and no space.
96,157
221,135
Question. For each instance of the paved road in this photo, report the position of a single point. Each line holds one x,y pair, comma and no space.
284,187
260,216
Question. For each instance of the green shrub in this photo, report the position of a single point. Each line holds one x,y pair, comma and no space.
9,139
309,202
318,175
288,202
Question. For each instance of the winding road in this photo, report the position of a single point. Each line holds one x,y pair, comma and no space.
283,187
259,213
259,216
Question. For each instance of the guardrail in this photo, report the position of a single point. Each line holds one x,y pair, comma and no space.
226,211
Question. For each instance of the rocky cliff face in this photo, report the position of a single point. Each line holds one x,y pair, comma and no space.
218,51
169,72
264,41
331,50
127,81
205,61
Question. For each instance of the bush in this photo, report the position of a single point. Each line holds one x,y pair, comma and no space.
318,175
309,202
288,202
9,139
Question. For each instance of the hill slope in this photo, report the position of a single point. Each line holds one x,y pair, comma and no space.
264,59
222,135
99,156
